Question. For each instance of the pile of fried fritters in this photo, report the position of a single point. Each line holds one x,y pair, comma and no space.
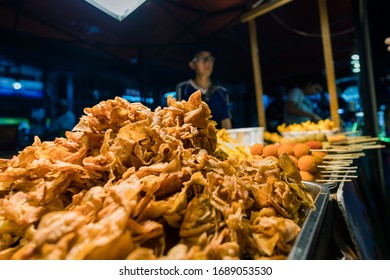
131,183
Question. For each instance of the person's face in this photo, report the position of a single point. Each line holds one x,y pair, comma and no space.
313,89
203,63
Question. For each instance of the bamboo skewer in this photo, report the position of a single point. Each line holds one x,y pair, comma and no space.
337,158
360,144
338,171
350,155
374,147
357,136
357,154
333,180
327,150
360,137
351,148
338,149
357,148
362,140
336,163
337,167
342,176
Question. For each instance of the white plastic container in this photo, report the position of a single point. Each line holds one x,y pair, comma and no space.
247,136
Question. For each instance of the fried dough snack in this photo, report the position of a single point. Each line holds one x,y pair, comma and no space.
131,183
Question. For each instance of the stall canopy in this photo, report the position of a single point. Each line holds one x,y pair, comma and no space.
161,34
251,16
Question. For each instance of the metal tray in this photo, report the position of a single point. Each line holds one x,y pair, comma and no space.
312,222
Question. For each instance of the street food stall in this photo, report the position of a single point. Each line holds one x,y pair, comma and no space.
251,16
136,183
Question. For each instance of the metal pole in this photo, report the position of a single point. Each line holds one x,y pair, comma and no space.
373,186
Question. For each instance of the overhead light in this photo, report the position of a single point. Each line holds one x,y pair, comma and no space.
118,9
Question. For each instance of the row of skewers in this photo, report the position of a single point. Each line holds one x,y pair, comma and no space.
342,151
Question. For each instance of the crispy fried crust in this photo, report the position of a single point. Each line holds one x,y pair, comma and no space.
131,183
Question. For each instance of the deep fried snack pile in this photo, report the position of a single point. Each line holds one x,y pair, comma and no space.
131,183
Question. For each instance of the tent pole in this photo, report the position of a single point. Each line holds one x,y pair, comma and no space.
330,75
262,9
257,73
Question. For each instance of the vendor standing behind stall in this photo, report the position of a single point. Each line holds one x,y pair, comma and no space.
298,107
63,121
214,95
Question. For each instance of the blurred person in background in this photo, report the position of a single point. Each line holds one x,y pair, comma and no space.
63,121
214,95
274,112
298,107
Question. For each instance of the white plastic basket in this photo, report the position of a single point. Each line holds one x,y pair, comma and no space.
247,136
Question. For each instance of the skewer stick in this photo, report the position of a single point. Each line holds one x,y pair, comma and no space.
336,150
346,155
331,180
354,144
338,171
340,157
363,144
373,147
342,176
367,139
359,136
336,161
338,164
355,155
337,167
340,148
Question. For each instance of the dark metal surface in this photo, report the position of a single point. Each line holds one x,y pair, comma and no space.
308,235
365,237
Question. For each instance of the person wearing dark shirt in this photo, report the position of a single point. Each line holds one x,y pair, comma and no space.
214,95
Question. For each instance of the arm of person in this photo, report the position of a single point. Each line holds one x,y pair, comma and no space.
291,108
226,123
